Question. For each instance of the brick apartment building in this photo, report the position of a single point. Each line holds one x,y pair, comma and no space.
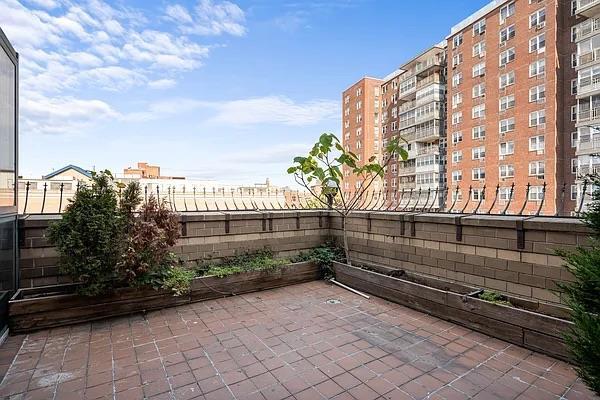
510,109
360,125
586,33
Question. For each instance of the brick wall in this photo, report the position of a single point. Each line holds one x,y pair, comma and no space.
510,254
515,255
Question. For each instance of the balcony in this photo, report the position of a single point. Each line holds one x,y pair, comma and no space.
435,78
587,29
588,59
585,170
588,116
428,150
433,62
405,171
587,147
588,8
430,131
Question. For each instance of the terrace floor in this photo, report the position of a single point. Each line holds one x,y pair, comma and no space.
287,343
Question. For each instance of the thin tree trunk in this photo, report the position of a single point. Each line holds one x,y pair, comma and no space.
345,235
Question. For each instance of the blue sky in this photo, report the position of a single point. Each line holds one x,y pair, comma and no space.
225,90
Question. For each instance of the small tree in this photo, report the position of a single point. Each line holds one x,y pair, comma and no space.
583,296
320,172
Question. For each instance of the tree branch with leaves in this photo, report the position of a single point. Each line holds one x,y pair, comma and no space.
321,173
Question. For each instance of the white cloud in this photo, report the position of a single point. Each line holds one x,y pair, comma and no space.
162,84
49,4
209,18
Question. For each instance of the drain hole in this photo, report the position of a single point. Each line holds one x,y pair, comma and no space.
333,301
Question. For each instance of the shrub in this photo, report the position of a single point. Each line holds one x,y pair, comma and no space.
324,256
178,280
249,261
583,296
90,236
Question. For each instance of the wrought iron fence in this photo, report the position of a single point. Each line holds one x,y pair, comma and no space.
468,200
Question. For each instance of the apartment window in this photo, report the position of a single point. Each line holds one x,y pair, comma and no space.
478,132
456,195
507,34
507,125
507,148
456,79
574,113
394,126
537,118
537,93
358,145
507,102
574,86
457,59
456,176
457,99
537,43
346,99
457,137
478,111
358,105
573,60
479,90
479,69
358,92
574,192
478,174
359,118
457,118
457,40
507,171
538,18
477,194
536,168
479,27
536,143
504,194
347,112
574,165
536,193
537,68
359,132
574,139
479,49
457,156
507,56
478,153
506,11
507,79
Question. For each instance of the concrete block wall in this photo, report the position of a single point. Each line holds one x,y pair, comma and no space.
514,255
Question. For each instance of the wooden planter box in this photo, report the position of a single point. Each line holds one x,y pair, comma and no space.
524,325
58,305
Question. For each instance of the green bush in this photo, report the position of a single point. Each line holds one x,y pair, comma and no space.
583,296
90,236
494,297
178,280
324,256
249,261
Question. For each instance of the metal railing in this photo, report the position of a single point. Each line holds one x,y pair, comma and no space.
406,198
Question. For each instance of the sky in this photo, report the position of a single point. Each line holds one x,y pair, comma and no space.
208,89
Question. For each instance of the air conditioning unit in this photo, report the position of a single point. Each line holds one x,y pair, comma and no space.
501,157
542,50
540,26
482,54
540,152
502,44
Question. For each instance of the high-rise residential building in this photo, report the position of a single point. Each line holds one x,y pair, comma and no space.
360,126
586,33
413,107
511,111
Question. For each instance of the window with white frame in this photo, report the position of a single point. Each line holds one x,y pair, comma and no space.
457,40
537,93
504,194
507,34
507,79
359,105
536,143
456,176
456,79
477,194
507,102
478,153
507,125
536,168
574,113
479,49
574,165
506,11
507,148
358,92
358,131
574,87
358,145
457,118
507,171
507,56
479,90
478,174
359,118
537,43
347,112
574,60
457,137
457,59
456,195
479,69
457,99
478,111
478,132
538,18
536,193
537,68
479,27
457,156
574,139
574,192
394,126
537,118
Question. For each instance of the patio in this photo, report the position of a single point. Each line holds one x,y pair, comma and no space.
279,344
